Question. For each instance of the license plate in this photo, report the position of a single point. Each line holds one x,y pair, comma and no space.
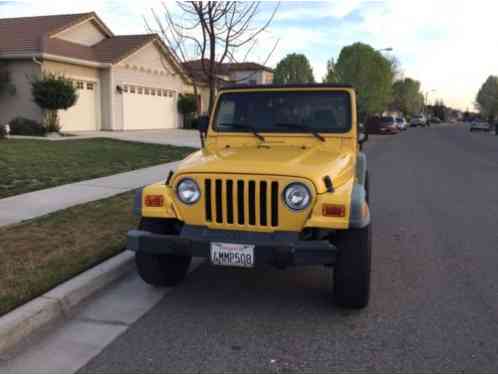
234,255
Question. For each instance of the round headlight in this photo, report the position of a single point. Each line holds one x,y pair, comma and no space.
188,191
297,196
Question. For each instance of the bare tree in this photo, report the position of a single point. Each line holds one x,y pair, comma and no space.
214,32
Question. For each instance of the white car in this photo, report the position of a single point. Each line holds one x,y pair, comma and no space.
401,123
480,126
418,120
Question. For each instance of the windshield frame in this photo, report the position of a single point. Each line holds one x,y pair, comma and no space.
284,131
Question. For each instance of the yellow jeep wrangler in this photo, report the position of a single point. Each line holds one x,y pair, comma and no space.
280,180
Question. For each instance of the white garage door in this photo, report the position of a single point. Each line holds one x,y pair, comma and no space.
148,108
83,115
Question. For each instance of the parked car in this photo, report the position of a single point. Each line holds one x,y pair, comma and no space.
480,126
435,120
389,125
376,125
402,124
261,203
418,120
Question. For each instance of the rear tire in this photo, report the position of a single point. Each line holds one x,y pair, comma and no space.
161,270
352,269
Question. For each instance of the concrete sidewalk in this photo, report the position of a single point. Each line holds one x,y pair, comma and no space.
30,205
174,137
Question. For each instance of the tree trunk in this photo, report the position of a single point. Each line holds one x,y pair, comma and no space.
52,120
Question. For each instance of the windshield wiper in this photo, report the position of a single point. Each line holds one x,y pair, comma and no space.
290,125
244,126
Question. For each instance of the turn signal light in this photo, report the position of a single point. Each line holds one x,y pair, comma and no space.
334,210
154,200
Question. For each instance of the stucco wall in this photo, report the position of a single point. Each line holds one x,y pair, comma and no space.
70,70
106,98
21,103
86,33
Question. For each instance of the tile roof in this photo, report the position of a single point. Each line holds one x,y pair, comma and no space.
26,33
196,71
32,35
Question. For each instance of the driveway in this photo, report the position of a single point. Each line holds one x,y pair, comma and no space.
176,137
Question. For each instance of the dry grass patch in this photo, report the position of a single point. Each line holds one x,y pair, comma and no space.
41,253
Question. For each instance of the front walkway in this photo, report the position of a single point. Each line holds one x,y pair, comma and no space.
30,205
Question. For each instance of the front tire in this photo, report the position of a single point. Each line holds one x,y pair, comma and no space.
161,270
352,269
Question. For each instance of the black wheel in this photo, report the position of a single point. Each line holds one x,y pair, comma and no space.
367,187
161,270
352,269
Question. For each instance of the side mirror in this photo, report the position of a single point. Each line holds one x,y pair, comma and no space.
203,122
362,137
362,134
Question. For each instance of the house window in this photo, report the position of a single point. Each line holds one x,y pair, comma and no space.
153,92
132,90
146,91
89,86
159,92
170,93
79,85
165,93
125,88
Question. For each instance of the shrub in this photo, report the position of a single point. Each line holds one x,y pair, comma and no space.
187,105
3,131
53,93
24,126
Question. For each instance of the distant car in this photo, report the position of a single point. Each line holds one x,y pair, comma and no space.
401,123
418,120
389,125
480,126
435,120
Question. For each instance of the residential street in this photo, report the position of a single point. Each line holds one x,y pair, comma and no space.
434,300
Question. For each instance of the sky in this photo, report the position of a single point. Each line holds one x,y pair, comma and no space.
449,46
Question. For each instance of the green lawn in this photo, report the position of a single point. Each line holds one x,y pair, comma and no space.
41,253
29,165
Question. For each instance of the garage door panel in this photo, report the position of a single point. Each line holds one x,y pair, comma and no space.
147,111
83,115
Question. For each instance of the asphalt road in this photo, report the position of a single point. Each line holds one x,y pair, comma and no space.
434,302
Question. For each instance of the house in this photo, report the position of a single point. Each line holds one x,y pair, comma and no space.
239,73
228,73
124,82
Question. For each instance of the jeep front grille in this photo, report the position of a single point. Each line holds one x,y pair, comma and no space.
242,202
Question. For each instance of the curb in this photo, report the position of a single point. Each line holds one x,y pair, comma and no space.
58,302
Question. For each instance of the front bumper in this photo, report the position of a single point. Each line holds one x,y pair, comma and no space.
278,249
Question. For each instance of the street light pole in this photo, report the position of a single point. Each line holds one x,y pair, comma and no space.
388,49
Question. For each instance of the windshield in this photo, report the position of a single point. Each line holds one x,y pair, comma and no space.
387,120
399,120
284,112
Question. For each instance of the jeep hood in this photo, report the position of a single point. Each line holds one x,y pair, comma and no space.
313,163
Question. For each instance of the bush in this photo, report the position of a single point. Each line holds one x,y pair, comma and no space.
52,93
24,126
3,131
187,104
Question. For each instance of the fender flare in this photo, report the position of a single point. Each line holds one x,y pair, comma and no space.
357,217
